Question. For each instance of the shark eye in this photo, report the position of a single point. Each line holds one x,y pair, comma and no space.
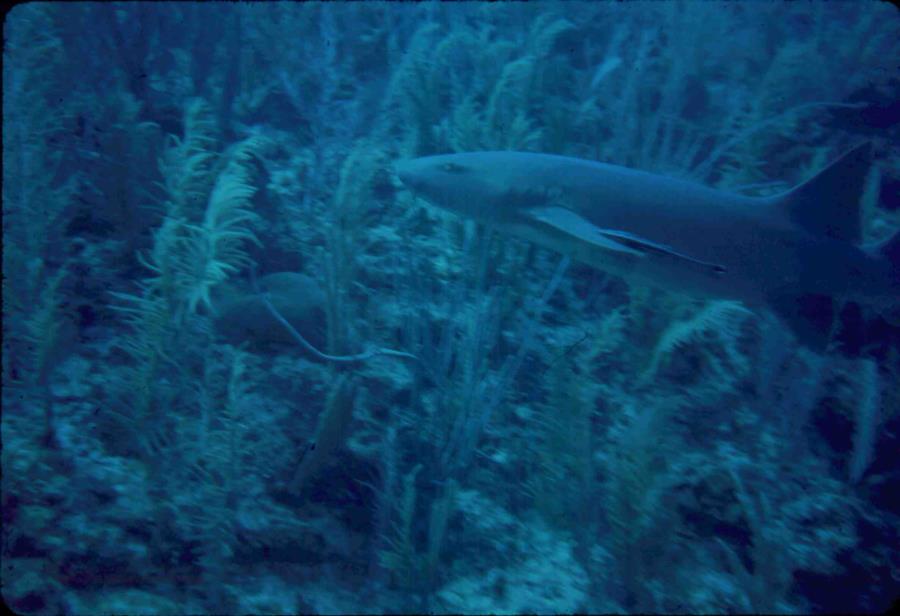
452,168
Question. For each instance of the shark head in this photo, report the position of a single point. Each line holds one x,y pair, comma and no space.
479,185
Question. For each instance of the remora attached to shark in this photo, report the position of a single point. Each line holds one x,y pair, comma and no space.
798,252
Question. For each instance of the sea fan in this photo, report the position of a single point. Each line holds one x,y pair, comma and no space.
215,248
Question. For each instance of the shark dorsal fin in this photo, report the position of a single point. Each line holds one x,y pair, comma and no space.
810,317
828,203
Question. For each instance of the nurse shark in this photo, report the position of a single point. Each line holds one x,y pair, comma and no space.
798,252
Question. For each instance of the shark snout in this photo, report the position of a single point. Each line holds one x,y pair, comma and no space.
405,170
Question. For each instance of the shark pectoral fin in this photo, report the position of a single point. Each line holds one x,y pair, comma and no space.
648,247
811,317
570,223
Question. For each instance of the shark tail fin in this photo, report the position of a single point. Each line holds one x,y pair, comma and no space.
829,202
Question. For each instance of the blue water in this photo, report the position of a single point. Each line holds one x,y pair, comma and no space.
247,370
